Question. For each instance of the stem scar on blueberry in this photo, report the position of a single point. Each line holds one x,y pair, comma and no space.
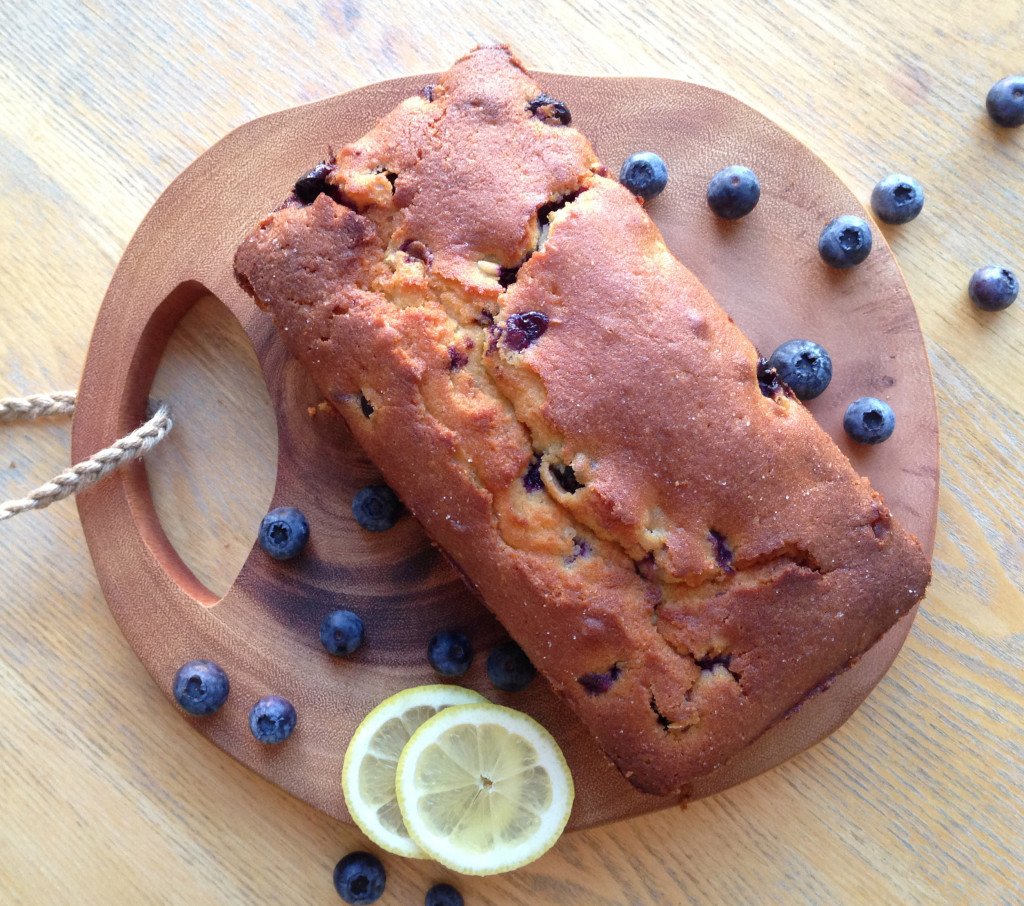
869,421
376,508
803,366
284,533
450,653
644,174
341,632
733,192
845,242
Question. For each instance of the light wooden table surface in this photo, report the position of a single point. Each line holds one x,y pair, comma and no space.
107,797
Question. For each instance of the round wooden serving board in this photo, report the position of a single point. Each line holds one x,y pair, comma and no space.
764,270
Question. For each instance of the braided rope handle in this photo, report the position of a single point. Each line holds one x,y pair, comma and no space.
89,471
61,402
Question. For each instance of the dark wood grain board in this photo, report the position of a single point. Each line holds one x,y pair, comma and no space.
765,272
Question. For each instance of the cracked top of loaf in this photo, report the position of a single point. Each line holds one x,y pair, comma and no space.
669,535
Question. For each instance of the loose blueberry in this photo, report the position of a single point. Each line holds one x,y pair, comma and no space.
644,174
509,668
359,878
897,199
341,632
733,192
450,653
376,508
549,110
284,533
524,328
845,242
804,366
993,288
272,719
869,421
1005,102
201,687
443,895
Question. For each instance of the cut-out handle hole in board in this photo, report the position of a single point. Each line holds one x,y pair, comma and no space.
213,476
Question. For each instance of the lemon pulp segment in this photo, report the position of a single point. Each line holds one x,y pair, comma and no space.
483,788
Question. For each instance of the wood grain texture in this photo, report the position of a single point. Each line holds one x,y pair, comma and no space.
915,800
264,630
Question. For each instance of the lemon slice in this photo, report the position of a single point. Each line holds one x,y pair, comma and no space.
368,773
483,789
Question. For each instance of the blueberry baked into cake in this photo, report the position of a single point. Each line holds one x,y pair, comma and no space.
666,531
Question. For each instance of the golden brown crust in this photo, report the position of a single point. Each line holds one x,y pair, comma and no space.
574,419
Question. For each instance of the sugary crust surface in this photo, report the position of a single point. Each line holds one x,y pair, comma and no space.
683,554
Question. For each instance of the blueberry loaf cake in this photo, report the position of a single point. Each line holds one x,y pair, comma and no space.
665,530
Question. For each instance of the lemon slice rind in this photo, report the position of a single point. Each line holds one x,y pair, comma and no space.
483,789
372,756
